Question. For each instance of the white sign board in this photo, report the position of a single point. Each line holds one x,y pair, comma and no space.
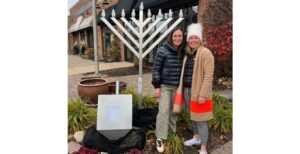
114,115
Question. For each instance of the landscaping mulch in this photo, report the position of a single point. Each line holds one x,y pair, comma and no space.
122,71
215,140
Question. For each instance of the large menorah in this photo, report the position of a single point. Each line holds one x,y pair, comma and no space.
141,34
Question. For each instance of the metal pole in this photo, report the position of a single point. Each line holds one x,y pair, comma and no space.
95,37
140,57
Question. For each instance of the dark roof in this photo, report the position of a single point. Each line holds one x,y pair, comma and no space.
148,3
153,5
165,5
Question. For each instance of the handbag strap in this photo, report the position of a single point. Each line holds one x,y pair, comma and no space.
181,75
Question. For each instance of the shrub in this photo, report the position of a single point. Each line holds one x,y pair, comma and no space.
185,118
80,117
219,41
134,95
222,121
114,49
85,150
174,144
147,100
222,111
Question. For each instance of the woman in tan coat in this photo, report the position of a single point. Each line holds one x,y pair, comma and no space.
197,85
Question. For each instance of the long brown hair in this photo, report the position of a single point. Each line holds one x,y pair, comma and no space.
181,46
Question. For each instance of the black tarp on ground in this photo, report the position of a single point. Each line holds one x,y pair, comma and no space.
135,138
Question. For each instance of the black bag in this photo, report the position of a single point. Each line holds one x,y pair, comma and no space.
135,138
144,118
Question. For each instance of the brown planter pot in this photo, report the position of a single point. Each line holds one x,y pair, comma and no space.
112,86
90,88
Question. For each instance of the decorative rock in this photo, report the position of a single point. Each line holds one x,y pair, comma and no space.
221,137
73,147
79,136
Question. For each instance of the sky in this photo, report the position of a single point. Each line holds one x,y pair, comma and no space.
71,3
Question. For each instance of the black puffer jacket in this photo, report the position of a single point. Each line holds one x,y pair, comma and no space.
166,67
188,71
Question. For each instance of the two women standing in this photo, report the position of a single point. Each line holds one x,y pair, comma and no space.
197,84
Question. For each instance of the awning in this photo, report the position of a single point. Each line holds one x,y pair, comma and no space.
127,5
87,22
148,3
75,26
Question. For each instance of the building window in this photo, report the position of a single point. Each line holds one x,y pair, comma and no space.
90,38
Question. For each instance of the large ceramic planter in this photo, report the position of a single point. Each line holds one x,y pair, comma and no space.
112,86
90,88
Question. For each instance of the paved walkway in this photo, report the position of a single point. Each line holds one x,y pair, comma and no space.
225,149
78,66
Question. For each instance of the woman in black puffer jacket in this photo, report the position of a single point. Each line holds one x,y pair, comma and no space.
165,79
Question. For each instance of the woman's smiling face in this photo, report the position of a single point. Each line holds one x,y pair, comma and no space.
194,42
177,37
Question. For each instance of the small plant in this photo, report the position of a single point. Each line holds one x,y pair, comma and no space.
222,111
114,50
222,121
134,95
147,100
184,117
80,117
76,48
174,144
150,132
220,101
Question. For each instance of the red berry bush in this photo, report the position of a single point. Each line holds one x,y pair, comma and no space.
219,41
85,150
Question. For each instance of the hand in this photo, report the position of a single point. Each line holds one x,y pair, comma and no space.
201,100
157,92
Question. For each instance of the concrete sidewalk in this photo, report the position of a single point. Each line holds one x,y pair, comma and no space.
78,65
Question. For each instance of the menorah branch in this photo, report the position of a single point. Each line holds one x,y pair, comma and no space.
120,36
162,36
156,32
129,25
125,31
151,27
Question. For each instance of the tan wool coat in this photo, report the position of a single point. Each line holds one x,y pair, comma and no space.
202,82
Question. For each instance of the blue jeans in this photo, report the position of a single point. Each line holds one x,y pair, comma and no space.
199,127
